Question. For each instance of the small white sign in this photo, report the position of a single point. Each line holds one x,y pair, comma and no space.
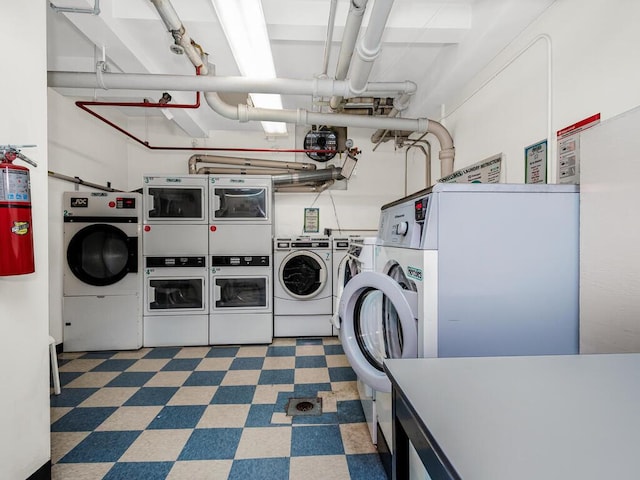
311,220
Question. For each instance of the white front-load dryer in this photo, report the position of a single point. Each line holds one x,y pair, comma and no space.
303,296
102,276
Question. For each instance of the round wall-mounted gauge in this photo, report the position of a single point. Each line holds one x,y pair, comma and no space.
322,139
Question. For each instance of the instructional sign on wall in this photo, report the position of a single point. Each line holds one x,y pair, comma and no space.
485,171
311,220
535,163
569,149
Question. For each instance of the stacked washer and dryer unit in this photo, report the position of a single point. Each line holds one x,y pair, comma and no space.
101,308
465,270
240,248
175,247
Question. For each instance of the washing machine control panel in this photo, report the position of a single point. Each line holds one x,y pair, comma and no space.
420,209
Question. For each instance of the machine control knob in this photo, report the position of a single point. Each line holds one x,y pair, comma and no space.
402,228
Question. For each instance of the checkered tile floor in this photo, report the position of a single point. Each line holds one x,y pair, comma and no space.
210,413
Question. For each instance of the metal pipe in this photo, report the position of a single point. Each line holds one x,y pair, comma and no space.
79,181
348,45
93,11
246,162
245,113
304,188
173,23
369,47
329,173
242,171
321,87
327,45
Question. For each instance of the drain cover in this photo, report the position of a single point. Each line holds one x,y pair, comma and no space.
304,406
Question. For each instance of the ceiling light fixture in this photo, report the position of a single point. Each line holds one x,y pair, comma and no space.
246,31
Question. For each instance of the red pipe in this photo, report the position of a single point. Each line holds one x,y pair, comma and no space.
84,105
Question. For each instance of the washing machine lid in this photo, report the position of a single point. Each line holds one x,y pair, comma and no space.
378,322
102,254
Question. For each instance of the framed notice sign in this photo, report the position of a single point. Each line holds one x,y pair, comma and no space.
535,163
311,220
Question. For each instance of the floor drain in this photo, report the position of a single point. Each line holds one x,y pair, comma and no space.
304,406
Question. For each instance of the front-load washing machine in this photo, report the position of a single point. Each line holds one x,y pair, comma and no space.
465,270
359,258
303,298
102,275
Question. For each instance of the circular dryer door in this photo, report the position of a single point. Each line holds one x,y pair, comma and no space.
303,274
102,255
378,316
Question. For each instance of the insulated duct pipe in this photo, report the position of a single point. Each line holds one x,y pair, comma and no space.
369,47
317,176
304,188
348,45
246,162
320,87
242,171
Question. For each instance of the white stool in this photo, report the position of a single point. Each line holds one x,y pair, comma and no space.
54,365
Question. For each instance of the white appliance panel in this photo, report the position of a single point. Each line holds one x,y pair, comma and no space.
111,322
231,239
306,325
240,328
169,240
176,330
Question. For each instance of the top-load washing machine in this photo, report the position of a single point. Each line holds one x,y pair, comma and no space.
102,273
466,270
303,297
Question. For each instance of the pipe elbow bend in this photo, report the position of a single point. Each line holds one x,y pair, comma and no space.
193,160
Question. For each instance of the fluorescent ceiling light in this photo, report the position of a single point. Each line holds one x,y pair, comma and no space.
246,31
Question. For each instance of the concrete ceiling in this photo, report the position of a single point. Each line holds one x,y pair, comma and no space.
438,44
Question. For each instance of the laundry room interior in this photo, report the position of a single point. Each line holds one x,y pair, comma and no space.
441,187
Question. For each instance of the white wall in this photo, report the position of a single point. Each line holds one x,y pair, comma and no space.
24,308
504,109
594,69
79,146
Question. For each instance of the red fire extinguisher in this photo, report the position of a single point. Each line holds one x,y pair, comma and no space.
16,234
